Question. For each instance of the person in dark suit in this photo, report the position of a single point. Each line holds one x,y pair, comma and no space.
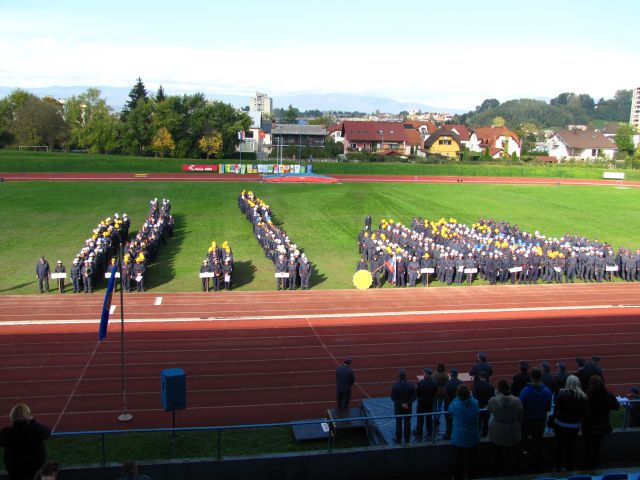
521,379
403,393
483,391
426,392
42,273
345,379
481,366
23,442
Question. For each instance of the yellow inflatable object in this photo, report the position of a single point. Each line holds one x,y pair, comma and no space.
362,279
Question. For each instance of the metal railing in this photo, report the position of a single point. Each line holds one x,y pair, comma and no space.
331,423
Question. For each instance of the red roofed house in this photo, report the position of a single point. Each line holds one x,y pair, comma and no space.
496,139
335,132
383,137
582,144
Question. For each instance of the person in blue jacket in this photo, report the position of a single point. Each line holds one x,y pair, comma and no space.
465,434
536,403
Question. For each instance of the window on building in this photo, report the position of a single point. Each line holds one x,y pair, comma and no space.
353,145
594,152
444,141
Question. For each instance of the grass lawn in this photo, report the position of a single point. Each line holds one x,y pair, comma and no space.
54,219
12,161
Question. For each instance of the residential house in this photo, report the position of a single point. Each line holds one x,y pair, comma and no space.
580,144
258,137
335,131
468,137
443,142
610,130
287,134
495,140
383,137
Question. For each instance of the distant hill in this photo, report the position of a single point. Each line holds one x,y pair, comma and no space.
117,96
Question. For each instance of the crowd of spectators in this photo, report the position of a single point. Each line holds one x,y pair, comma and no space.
292,266
498,252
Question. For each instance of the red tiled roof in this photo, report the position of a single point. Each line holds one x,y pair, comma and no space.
334,128
585,139
412,137
489,135
354,131
431,127
462,131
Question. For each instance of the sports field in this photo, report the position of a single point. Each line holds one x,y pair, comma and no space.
54,219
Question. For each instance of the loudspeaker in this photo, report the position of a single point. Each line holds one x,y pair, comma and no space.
174,389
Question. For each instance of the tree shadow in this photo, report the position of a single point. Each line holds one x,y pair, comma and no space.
17,287
243,273
163,270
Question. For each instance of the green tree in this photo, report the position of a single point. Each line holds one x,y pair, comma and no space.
211,144
624,139
498,122
160,96
37,122
136,127
138,93
290,115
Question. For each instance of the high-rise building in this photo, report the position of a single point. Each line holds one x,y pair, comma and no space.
261,103
635,108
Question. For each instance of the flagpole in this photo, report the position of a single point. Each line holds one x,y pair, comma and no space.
124,416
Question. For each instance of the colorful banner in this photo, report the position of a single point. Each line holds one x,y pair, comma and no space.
199,168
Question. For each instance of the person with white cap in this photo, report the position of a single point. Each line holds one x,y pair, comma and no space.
304,269
76,275
60,268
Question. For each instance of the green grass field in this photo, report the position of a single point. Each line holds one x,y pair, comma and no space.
54,219
12,161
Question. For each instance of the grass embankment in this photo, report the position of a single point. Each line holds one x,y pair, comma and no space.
12,161
54,219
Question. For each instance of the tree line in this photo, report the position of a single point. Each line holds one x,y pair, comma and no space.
185,126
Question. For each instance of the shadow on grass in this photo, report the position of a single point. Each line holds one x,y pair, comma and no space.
243,273
316,277
163,269
17,287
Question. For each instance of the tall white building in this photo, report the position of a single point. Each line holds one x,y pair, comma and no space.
261,103
635,108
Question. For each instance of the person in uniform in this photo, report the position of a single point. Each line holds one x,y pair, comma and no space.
60,268
413,270
42,274
87,276
204,268
426,391
138,273
481,366
281,267
374,267
227,269
403,393
217,274
401,271
126,273
304,269
76,275
345,379
292,270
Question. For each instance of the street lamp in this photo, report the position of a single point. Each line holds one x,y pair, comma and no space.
382,139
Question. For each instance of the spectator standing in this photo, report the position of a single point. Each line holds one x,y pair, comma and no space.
426,392
441,378
582,373
23,442
568,413
561,376
481,366
548,378
483,391
450,392
536,402
403,393
345,379
465,435
600,402
520,379
505,429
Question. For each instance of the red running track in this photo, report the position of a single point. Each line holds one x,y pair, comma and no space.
271,356
345,178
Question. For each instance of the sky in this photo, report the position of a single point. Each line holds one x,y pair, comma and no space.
449,54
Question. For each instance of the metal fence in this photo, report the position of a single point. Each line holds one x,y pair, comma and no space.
216,450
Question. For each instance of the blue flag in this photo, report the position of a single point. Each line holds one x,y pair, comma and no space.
104,319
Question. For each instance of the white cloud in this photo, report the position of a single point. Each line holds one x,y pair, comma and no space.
449,77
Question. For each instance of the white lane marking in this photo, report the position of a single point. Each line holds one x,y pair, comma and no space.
326,315
158,301
112,309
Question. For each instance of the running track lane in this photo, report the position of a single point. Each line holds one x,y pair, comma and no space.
345,178
281,368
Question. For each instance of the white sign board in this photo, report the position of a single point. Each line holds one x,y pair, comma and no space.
470,270
515,269
207,275
139,278
227,278
557,269
56,276
613,175
282,274
427,270
108,275
611,268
